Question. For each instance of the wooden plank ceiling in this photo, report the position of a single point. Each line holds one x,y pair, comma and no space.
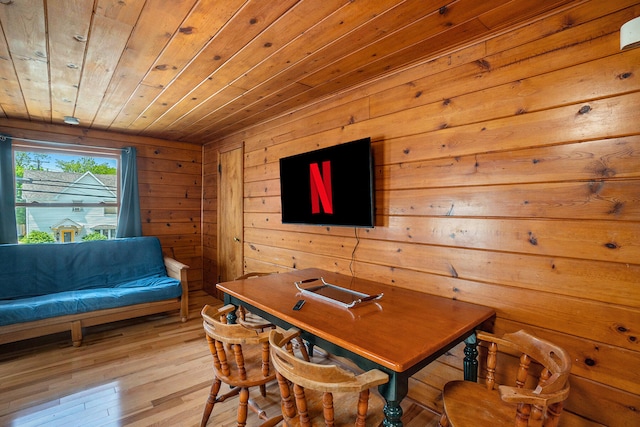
196,70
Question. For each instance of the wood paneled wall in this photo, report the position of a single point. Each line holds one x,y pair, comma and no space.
210,217
169,179
508,174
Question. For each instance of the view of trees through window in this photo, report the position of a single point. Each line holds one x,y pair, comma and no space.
65,197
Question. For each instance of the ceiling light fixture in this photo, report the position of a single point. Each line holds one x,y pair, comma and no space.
71,120
630,34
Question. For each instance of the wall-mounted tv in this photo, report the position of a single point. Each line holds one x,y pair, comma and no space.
330,186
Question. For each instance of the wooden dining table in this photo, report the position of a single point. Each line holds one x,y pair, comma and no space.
399,333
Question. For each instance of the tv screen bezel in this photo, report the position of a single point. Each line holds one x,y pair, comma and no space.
364,217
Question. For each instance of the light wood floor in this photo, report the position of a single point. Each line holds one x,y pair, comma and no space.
149,371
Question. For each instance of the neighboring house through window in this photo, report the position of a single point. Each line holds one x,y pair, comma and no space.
68,195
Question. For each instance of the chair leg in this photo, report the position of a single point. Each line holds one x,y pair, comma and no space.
211,400
214,398
262,414
444,421
256,408
303,349
272,421
242,407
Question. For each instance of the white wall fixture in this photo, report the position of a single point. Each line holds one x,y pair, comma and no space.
630,34
71,120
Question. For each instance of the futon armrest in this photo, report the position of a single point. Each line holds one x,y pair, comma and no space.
178,270
175,268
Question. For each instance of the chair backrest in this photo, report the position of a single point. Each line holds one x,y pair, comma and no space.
539,392
323,378
251,320
240,355
252,274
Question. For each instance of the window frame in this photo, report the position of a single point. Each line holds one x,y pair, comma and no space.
63,149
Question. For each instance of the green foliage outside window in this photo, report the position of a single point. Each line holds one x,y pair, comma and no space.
38,237
94,236
86,164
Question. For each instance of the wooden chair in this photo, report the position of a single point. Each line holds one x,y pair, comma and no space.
538,390
315,394
253,321
249,319
240,359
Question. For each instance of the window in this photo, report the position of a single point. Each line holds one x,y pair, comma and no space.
106,231
65,195
111,210
77,206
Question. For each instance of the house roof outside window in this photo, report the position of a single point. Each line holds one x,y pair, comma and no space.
48,186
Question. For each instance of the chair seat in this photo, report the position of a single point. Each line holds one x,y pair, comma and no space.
532,390
470,404
254,321
343,404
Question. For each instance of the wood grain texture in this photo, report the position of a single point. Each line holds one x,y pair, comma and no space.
151,371
196,70
68,33
389,348
529,133
506,175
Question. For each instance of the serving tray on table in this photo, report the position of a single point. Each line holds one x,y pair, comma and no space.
335,294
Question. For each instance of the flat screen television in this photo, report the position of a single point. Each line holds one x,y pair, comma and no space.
330,186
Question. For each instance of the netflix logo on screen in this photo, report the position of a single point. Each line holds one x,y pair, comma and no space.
321,193
330,186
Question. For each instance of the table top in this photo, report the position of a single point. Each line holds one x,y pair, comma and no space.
398,331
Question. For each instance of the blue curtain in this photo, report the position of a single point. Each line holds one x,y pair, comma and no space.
8,229
129,223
